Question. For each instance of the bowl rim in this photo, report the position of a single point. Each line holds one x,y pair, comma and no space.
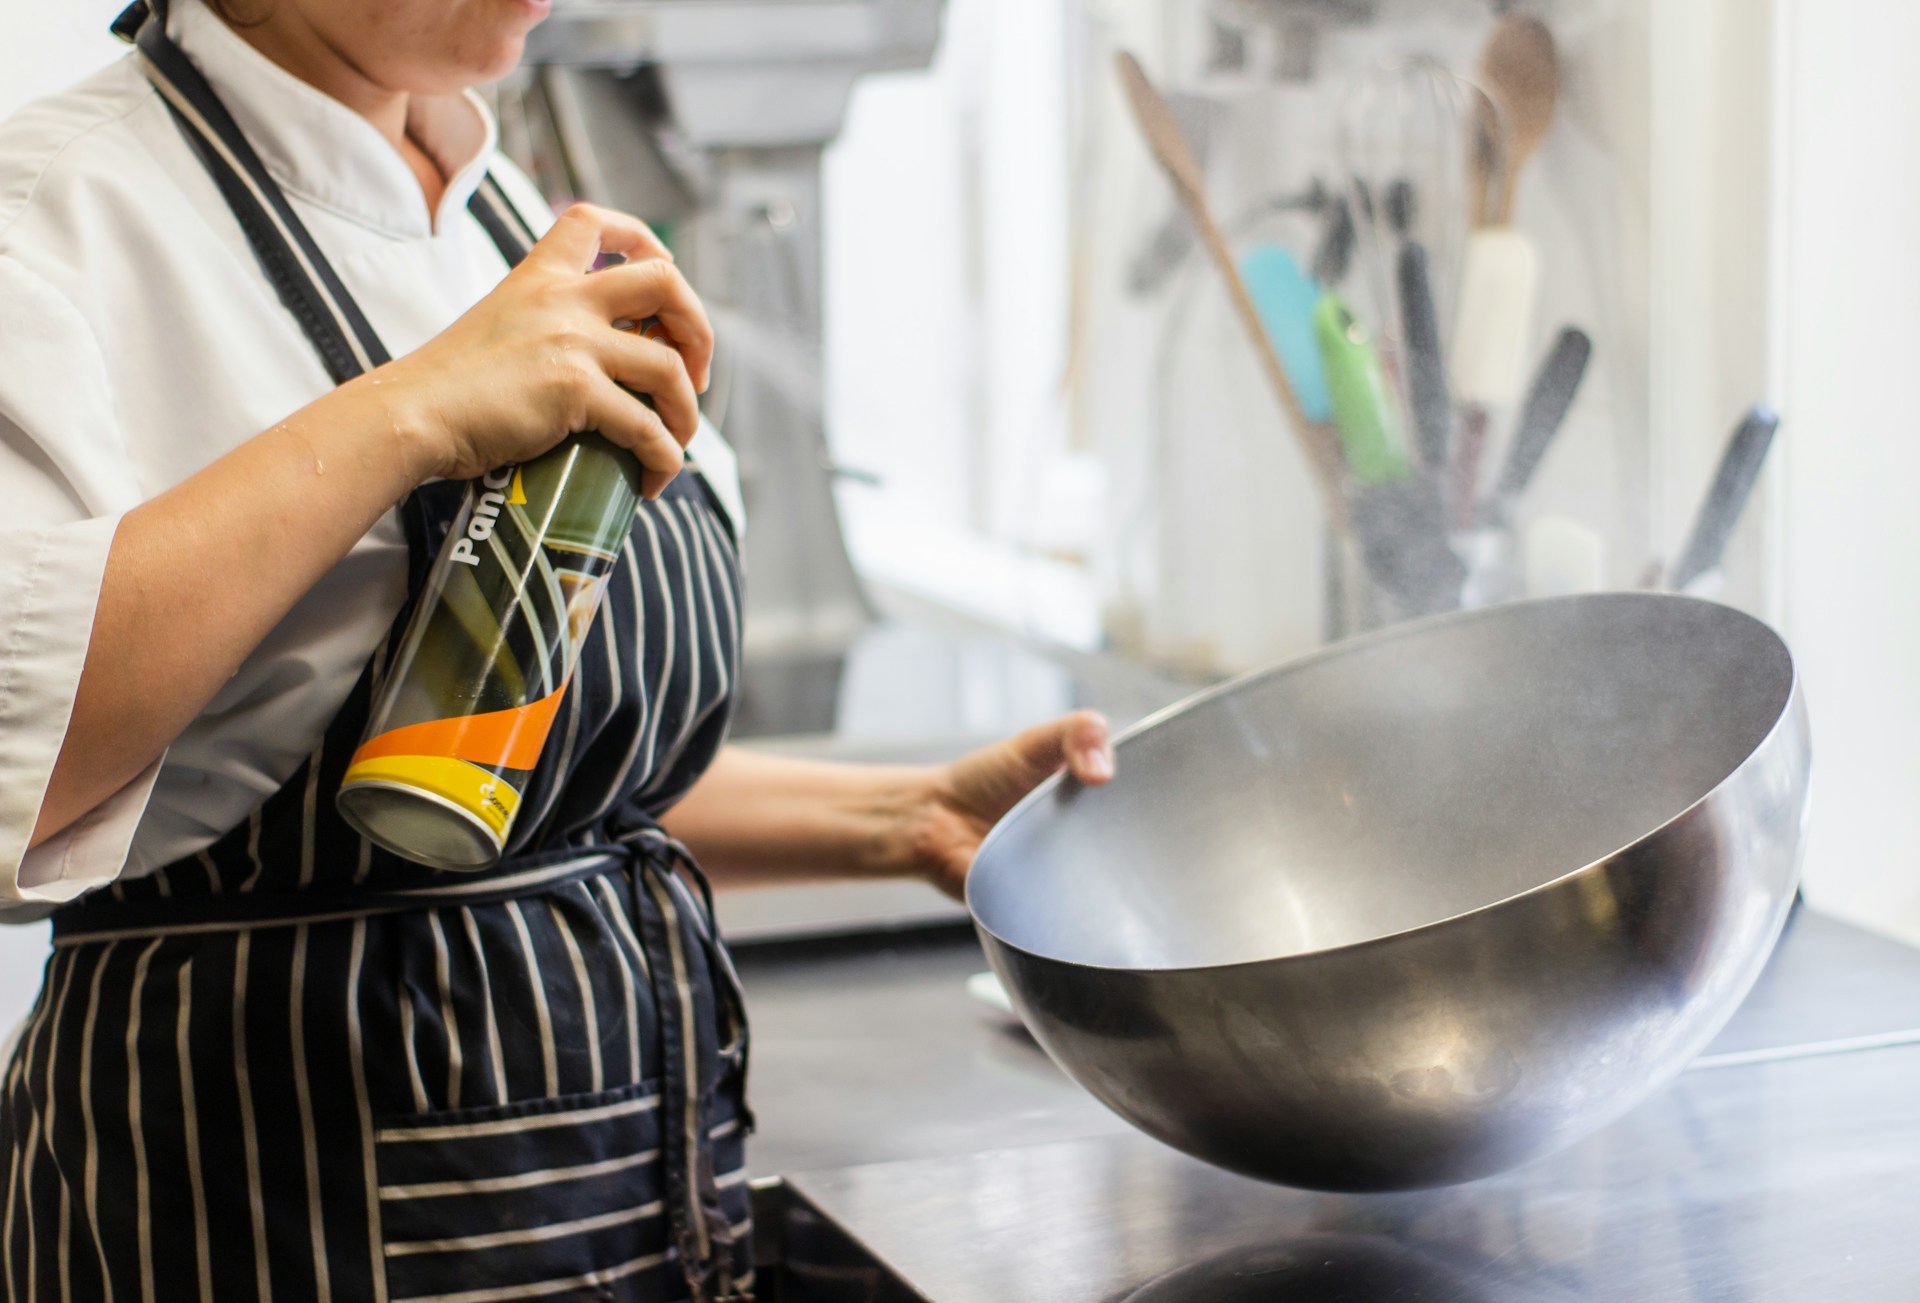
1790,708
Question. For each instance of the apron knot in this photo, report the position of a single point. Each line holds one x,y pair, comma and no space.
675,943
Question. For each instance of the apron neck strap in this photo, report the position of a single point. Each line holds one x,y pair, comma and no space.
304,280
299,272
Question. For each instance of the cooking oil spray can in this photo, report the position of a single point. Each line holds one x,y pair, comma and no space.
458,726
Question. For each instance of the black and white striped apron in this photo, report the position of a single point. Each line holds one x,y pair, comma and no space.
296,1067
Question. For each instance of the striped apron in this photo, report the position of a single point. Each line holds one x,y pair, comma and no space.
297,1067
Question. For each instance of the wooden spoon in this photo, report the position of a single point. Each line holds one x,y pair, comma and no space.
1317,441
1520,70
1519,81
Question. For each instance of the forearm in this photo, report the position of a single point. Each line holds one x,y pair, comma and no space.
198,576
760,820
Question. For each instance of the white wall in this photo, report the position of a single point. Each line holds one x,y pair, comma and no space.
44,45
1849,334
945,283
1712,175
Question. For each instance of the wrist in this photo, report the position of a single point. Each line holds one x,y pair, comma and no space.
903,816
407,424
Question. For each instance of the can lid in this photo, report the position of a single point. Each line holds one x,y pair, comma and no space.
420,826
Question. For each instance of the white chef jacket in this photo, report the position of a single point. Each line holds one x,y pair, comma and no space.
139,341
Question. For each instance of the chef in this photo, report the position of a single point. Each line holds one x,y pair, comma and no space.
260,281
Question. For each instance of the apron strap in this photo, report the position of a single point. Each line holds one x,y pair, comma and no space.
299,272
494,211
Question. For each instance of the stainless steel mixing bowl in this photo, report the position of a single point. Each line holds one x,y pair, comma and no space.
1421,906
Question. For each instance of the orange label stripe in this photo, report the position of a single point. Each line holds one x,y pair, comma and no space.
507,739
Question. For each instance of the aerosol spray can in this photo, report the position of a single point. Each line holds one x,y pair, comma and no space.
458,726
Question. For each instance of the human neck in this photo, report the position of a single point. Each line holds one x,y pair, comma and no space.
289,40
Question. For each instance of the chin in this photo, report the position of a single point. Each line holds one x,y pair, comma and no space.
475,67
503,62
504,52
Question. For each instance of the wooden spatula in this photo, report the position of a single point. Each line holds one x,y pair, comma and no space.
1317,441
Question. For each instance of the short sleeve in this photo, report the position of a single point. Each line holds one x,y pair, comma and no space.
65,478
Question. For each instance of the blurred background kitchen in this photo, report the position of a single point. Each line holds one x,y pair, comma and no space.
1008,443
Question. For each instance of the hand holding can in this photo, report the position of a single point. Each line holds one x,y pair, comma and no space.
461,721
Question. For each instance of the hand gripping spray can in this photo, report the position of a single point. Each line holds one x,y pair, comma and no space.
459,724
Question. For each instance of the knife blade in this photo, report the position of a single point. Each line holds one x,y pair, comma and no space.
1727,497
1544,411
1426,366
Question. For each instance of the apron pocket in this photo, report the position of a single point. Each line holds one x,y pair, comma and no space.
523,1200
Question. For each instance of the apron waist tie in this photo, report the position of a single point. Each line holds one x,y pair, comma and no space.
103,918
702,1234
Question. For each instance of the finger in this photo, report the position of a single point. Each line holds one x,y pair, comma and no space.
585,231
1077,742
656,289
652,368
636,427
628,236
1088,743
996,777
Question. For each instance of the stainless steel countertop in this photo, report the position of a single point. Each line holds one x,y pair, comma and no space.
870,1050
1789,1182
919,1130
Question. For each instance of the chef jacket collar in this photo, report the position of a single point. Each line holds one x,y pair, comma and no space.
318,148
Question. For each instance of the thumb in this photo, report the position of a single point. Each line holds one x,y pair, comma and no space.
993,779
585,231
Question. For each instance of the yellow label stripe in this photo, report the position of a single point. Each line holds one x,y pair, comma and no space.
468,786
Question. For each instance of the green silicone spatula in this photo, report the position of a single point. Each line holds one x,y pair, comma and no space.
1364,413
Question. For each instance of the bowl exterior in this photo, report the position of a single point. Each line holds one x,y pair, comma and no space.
1459,1049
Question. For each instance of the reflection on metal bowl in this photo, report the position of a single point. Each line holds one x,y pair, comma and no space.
1424,905
1328,1268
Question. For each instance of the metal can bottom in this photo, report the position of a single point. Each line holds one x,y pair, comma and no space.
419,825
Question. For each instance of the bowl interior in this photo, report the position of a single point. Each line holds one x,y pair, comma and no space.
1388,784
